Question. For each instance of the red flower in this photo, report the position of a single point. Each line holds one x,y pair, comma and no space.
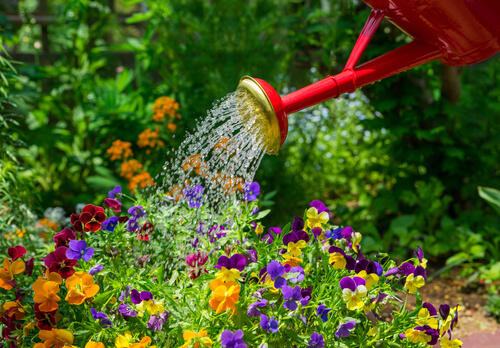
89,219
57,262
29,267
145,231
16,252
114,204
46,320
196,261
62,238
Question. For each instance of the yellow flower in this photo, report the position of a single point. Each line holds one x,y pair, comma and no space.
447,324
80,287
196,339
8,271
228,275
337,260
224,297
56,338
259,229
295,249
413,283
446,343
424,318
152,307
356,239
370,278
14,308
417,336
46,294
354,299
20,233
92,344
120,150
314,219
125,341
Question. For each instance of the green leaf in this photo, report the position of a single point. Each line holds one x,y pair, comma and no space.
490,195
102,182
262,214
139,17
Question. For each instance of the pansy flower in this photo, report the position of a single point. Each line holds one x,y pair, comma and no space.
137,212
64,237
56,337
447,343
114,204
58,262
419,254
14,309
337,257
297,224
321,207
322,312
427,316
103,318
316,219
78,250
369,274
110,224
252,190
232,340
89,219
269,324
334,234
413,283
344,329
46,294
276,271
237,261
253,308
295,248
156,321
115,192
196,339
272,234
137,297
291,296
8,271
296,236
80,287
417,335
316,341
224,296
196,261
126,311
45,320
96,269
16,252
353,292
297,273
194,196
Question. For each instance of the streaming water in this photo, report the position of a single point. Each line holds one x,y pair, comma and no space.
212,165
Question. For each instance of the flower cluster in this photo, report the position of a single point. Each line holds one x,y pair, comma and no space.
120,150
150,138
166,106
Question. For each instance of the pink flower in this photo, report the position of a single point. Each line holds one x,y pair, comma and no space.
114,204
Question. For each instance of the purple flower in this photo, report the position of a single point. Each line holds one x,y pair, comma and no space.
132,225
255,211
124,294
275,271
444,311
432,310
156,321
137,212
96,269
291,296
347,232
378,267
78,250
392,271
252,191
110,224
407,268
117,191
351,283
295,237
232,340
126,311
269,324
316,341
316,231
299,277
297,224
252,308
344,330
194,196
272,233
321,207
137,297
236,261
103,318
322,312
419,254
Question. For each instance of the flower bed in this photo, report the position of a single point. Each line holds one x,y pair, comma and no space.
170,275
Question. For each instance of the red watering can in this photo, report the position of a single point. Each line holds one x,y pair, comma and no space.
456,32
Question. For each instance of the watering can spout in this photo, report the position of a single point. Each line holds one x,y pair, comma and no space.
458,32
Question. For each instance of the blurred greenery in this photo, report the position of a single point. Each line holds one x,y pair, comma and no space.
400,160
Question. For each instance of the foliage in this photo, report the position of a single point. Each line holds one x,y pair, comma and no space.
112,281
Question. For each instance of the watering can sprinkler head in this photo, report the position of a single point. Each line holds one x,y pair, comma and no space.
457,32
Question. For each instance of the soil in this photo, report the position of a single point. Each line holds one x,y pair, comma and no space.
475,328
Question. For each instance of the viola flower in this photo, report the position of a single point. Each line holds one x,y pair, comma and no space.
89,219
300,275
276,271
334,234
57,262
369,275
412,283
156,321
45,320
291,296
252,308
316,341
419,254
110,224
232,340
80,287
252,191
321,207
417,335
297,224
337,258
115,192
353,292
132,225
14,309
316,219
78,250
64,237
447,343
196,261
137,212
295,248
273,233
196,339
114,204
426,316
228,276
125,341
29,267
103,318
344,330
126,311
269,324
137,297
8,271
224,297
16,252
46,294
194,195
96,269
295,237
237,261
291,261
152,307
56,338
322,312
93,344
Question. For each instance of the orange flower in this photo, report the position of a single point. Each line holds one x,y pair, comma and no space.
291,260
172,127
175,192
165,106
80,287
196,339
48,225
56,338
130,168
46,294
221,144
196,163
124,341
140,180
14,308
8,271
120,149
92,344
224,297
150,138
